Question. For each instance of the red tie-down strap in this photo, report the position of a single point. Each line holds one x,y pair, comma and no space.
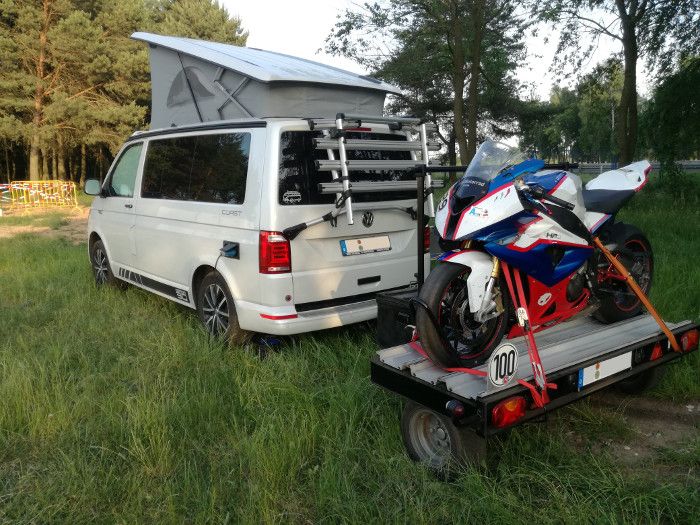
540,395
536,396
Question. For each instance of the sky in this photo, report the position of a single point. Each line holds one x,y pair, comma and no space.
300,27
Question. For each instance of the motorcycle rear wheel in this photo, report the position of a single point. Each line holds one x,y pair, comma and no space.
445,294
617,302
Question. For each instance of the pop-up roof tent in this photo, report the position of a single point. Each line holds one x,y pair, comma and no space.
197,81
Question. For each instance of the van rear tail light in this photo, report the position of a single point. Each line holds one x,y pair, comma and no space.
689,340
508,411
426,240
275,253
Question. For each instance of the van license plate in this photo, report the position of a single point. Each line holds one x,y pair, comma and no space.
604,369
365,245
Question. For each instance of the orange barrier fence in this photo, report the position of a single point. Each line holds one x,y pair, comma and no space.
39,194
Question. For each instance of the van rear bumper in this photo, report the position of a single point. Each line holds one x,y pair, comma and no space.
287,321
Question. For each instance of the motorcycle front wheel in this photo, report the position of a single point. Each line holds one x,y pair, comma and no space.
464,341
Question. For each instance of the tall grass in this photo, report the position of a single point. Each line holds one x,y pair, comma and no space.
116,407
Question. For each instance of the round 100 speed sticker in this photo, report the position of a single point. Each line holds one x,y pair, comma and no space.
503,365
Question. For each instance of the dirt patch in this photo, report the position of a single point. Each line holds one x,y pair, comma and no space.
64,224
658,430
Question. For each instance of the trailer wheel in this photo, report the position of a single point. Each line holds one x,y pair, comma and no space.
434,441
641,382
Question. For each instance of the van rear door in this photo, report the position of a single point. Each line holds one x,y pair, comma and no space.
341,263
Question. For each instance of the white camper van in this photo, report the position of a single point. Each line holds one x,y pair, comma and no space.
258,198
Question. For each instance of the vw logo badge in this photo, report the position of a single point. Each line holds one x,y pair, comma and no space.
368,219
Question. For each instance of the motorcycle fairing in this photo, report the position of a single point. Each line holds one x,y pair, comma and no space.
632,177
548,305
594,220
550,247
480,265
498,204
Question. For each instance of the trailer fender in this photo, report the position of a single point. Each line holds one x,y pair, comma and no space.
481,265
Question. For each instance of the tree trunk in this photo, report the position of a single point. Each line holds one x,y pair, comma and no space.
60,160
452,153
54,164
37,116
83,164
7,161
627,110
474,76
34,160
44,164
458,76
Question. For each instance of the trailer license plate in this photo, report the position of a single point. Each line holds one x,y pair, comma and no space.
365,245
603,369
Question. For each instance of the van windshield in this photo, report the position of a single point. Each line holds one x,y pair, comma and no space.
299,178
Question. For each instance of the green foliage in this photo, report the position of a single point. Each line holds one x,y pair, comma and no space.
598,95
576,124
670,122
204,19
663,30
433,49
551,129
658,31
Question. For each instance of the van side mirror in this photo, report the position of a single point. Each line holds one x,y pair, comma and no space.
93,187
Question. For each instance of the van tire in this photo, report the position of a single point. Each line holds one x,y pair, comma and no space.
101,267
217,311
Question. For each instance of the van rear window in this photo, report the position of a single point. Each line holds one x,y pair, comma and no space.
299,178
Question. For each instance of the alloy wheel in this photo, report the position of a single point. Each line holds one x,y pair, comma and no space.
215,310
101,266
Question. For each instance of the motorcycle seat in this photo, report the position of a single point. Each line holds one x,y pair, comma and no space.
606,201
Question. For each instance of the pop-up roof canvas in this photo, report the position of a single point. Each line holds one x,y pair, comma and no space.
196,81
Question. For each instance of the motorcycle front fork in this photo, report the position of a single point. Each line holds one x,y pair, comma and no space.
489,308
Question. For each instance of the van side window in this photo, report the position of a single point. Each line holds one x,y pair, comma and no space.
123,177
299,178
203,168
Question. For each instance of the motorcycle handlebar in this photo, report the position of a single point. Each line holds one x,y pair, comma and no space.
539,193
559,202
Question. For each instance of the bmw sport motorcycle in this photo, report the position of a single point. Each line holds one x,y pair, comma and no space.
512,216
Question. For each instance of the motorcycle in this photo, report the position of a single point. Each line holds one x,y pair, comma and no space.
511,215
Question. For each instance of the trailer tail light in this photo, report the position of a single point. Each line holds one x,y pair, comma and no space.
689,340
275,253
657,352
455,408
508,411
426,240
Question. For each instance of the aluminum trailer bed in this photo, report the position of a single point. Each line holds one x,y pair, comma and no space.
565,351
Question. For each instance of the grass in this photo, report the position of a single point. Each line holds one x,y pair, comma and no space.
117,408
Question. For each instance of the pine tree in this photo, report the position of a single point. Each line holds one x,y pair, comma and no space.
202,19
